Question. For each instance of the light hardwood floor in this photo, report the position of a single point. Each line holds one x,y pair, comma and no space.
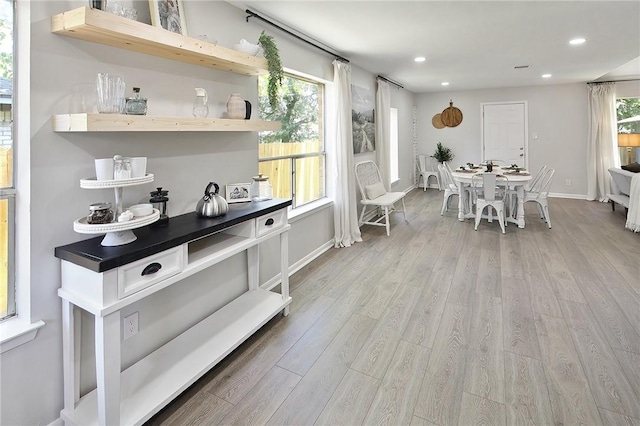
441,324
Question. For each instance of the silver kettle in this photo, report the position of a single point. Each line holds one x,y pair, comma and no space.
212,204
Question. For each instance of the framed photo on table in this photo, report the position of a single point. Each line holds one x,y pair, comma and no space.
168,14
238,192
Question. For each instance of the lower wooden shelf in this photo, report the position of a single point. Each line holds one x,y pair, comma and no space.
86,122
157,379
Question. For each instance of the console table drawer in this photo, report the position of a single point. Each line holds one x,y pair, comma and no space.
148,271
269,222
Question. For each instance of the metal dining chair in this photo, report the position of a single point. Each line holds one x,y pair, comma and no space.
490,191
539,192
427,168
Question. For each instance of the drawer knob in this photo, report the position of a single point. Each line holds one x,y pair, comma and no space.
269,221
151,269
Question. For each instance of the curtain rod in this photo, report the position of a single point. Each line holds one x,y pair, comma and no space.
613,81
400,86
251,14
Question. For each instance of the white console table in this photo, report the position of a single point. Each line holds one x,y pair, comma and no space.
103,280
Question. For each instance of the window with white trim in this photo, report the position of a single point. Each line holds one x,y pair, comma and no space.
393,145
628,117
294,157
7,186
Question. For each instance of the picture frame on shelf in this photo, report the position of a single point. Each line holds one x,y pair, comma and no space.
168,14
238,192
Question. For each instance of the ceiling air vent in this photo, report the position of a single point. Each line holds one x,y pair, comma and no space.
521,67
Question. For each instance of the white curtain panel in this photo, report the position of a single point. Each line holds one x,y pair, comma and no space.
602,142
345,218
633,215
383,132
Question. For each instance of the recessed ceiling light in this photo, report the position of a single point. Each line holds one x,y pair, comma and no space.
420,59
576,41
444,83
546,75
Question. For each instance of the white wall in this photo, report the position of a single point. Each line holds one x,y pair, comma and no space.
403,101
628,89
31,374
557,113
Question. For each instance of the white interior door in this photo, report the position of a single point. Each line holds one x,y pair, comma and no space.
504,132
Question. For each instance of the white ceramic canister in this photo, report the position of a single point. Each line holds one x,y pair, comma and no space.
236,108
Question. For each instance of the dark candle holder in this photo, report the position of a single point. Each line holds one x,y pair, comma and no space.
98,4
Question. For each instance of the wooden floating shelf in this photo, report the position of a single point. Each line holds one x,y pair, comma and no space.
145,123
106,28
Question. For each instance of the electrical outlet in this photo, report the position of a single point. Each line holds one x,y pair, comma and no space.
130,325
567,182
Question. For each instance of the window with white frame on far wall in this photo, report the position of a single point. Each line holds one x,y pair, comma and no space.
393,145
294,157
628,116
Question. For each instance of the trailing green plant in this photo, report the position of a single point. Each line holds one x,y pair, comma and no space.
274,66
443,154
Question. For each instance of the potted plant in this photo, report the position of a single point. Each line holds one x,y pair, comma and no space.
443,154
274,66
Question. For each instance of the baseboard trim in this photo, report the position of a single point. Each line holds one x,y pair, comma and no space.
571,196
273,282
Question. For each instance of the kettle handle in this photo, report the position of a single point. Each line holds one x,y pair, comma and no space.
208,190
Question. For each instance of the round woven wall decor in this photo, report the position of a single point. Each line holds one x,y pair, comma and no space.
451,116
437,122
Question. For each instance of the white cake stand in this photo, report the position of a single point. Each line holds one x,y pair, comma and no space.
117,233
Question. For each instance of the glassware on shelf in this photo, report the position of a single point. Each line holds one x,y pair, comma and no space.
121,167
136,104
110,93
159,200
261,188
200,107
122,10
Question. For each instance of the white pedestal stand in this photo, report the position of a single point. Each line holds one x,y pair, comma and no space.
117,233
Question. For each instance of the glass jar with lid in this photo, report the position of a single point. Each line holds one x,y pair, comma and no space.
121,167
261,188
136,104
100,213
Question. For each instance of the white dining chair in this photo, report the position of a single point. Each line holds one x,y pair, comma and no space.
539,193
375,194
450,188
534,180
427,167
490,192
449,185
512,195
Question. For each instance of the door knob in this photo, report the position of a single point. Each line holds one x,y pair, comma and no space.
521,155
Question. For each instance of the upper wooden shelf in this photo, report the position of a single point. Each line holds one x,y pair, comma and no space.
106,28
144,123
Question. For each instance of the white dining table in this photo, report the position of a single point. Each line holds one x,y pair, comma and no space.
517,182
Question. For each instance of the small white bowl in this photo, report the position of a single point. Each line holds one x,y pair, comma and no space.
140,210
249,49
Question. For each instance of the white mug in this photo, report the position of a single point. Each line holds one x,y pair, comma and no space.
104,168
138,167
